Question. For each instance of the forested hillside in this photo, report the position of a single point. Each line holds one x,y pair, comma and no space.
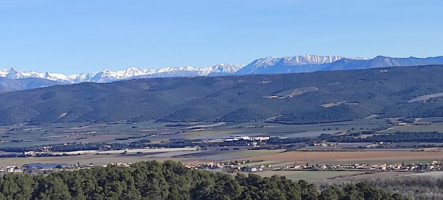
280,98
170,180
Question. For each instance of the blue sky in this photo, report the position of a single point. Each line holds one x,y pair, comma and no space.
74,36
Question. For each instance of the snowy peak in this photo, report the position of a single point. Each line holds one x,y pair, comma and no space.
4,72
275,65
297,60
129,72
14,74
222,69
311,60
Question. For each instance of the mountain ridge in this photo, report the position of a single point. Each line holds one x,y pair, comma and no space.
259,66
284,65
267,65
129,73
298,98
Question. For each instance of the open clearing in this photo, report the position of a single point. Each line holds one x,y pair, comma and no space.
310,175
426,97
359,177
297,156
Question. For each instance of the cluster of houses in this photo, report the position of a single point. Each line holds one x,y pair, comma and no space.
240,166
37,168
45,168
243,166
248,138
240,138
227,166
432,166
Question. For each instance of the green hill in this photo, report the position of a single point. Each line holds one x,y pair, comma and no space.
281,98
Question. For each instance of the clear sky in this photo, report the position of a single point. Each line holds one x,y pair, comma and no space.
73,36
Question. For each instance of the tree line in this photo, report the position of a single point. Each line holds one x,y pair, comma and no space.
171,180
391,137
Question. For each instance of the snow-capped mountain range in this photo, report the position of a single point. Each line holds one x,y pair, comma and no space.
129,73
287,64
296,60
268,65
134,72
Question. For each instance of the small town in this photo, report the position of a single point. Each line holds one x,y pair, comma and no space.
244,166
240,166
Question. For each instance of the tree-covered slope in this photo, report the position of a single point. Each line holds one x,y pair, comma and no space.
282,98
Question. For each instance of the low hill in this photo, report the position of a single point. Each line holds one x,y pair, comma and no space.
280,98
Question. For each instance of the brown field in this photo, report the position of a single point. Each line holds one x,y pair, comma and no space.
350,156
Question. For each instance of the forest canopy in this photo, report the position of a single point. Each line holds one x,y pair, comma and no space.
171,180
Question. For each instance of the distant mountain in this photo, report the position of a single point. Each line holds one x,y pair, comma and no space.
280,98
268,65
7,85
381,61
129,73
309,63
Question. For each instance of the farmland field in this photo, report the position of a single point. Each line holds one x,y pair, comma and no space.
164,132
351,156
